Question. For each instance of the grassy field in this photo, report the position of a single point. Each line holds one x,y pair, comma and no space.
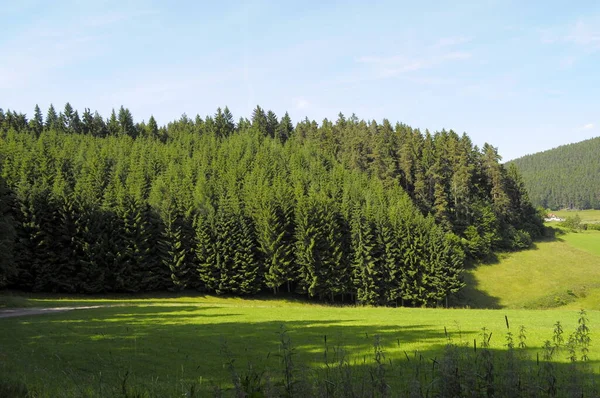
587,216
558,273
166,345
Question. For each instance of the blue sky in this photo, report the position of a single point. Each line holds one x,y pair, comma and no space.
523,76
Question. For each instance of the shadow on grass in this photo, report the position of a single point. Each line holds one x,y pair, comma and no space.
140,347
472,297
97,347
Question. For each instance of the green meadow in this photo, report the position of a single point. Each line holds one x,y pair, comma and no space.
170,345
587,216
167,345
563,272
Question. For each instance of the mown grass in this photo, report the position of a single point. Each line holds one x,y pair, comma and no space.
172,343
584,240
587,216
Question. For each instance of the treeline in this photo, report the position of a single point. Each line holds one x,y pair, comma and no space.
364,211
564,177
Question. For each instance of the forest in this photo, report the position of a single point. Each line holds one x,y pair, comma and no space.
566,177
355,210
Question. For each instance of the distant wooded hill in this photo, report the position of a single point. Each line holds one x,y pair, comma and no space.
564,177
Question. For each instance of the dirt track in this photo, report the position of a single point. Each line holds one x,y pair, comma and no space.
11,312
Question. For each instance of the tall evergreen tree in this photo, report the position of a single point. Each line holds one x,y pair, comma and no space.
272,124
259,120
36,124
51,118
126,125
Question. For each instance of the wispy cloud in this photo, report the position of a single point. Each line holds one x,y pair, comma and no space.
37,50
584,34
588,126
391,66
301,103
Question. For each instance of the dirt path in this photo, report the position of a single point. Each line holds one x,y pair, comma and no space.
11,312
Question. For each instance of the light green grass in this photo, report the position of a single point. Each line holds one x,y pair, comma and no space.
584,240
587,216
166,342
560,273
174,342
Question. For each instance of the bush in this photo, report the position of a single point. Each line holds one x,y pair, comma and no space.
573,223
593,227
521,240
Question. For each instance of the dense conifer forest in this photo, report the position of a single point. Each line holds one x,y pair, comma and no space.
564,177
358,210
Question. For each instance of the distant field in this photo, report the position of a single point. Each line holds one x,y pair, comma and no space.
561,273
165,345
587,216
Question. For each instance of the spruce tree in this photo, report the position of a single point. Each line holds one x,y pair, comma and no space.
259,120
272,124
36,124
51,119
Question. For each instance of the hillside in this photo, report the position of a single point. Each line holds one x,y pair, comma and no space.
558,273
564,177
351,210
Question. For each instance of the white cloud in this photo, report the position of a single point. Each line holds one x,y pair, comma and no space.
391,66
585,34
588,126
301,103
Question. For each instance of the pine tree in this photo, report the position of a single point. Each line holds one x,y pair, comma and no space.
275,240
112,125
259,120
367,268
206,254
37,123
98,128
87,122
224,125
8,234
51,119
272,124
285,129
152,128
126,125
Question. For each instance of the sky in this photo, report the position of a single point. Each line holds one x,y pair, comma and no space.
523,76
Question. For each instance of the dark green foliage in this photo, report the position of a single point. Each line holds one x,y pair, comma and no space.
126,125
378,213
51,119
7,234
563,177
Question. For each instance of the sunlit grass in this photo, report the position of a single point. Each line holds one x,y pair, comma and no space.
587,216
584,240
563,272
166,342
178,341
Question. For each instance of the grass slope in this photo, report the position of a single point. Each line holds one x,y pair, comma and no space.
562,272
167,344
